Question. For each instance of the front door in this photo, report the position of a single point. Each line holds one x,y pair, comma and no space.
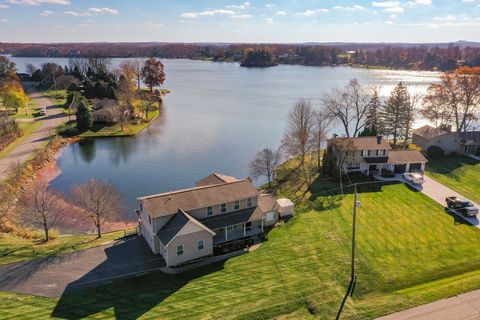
372,168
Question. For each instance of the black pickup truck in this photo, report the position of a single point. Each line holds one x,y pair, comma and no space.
464,207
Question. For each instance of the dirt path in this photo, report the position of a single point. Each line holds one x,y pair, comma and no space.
54,117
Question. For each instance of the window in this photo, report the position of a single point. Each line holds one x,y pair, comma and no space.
149,219
378,152
368,153
236,205
270,216
200,244
224,208
209,211
249,202
384,152
179,249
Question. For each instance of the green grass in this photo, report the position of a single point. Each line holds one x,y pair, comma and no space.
16,249
129,129
32,112
409,252
459,173
58,97
28,128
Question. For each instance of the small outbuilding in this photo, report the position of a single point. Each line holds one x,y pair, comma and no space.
285,207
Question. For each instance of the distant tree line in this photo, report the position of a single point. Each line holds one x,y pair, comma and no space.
420,57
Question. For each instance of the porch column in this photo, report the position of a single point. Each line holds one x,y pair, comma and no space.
262,225
407,168
244,230
226,234
423,167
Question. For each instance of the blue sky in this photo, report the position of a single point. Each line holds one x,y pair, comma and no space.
239,21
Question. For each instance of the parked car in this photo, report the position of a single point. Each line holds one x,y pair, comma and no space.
464,207
415,178
43,111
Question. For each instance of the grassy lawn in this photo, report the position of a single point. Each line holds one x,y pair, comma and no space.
32,112
28,128
407,255
16,249
58,97
459,173
115,131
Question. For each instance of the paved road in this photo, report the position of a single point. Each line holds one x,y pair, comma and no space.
55,117
52,276
465,306
438,192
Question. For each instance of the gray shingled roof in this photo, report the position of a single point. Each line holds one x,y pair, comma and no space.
231,218
429,132
172,227
405,156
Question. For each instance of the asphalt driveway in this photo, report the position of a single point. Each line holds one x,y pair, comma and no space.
52,276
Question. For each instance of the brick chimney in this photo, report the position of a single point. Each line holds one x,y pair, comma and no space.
379,139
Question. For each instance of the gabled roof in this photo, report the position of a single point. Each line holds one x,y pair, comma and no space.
405,156
231,218
170,230
368,143
267,202
215,178
429,132
168,203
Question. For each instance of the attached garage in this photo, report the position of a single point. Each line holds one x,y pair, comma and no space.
400,168
415,167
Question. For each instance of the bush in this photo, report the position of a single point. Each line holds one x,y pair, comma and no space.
435,152
386,173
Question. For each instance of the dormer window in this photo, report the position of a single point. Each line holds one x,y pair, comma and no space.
249,202
209,211
223,208
236,205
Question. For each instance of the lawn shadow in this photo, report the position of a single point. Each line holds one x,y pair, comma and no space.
129,281
448,164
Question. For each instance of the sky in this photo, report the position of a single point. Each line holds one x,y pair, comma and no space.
269,21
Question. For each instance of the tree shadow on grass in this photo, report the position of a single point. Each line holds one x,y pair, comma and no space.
130,298
448,164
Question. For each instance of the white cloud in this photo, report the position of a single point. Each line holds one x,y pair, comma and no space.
423,2
389,22
73,13
3,6
104,10
394,9
310,12
270,5
386,4
222,12
446,18
352,8
393,16
242,16
239,6
280,13
38,2
269,21
4,20
45,13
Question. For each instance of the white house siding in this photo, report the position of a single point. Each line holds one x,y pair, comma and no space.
150,238
190,250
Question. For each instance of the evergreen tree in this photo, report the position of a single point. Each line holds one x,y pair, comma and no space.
372,123
395,112
84,117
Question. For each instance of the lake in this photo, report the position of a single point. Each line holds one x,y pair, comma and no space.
217,116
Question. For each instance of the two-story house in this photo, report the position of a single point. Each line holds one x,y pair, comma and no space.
372,154
185,225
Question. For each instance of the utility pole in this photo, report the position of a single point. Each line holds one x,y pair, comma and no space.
353,276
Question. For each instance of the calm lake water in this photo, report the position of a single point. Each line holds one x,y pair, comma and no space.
216,118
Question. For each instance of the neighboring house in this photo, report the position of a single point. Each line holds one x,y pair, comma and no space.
187,224
466,143
372,154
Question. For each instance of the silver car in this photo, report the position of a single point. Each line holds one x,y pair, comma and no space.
415,178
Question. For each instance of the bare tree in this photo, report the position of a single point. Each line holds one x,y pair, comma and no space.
436,106
138,64
320,131
298,139
99,200
340,152
349,106
265,163
43,207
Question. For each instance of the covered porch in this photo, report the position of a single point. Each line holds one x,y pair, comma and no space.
238,231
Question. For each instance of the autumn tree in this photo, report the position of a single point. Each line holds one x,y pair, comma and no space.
6,66
153,73
265,163
43,208
99,200
13,95
455,100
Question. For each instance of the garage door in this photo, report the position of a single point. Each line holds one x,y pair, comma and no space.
400,168
415,167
